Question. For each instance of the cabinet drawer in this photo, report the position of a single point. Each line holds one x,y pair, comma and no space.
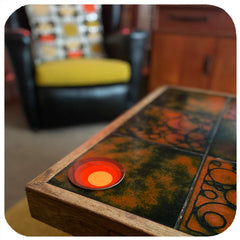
193,20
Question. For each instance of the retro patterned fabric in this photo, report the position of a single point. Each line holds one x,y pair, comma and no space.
65,31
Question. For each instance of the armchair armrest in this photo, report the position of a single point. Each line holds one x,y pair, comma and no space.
18,46
130,48
135,55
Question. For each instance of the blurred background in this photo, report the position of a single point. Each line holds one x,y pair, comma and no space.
192,46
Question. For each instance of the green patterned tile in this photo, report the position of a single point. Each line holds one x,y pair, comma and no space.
230,112
224,143
157,178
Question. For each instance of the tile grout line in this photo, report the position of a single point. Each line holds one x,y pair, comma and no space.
155,143
179,219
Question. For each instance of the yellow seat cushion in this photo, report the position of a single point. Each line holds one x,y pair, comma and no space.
82,72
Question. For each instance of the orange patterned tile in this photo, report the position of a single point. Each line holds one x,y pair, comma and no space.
191,101
188,130
212,206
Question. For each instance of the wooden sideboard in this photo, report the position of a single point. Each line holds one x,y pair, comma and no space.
193,46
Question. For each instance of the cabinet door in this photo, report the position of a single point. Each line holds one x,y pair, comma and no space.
166,57
224,74
185,60
198,61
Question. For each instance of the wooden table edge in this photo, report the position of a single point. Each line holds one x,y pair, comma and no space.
113,218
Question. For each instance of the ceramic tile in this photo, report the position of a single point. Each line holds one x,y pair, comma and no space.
191,101
230,112
212,206
224,143
188,130
157,178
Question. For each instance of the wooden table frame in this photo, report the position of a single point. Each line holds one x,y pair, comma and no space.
79,215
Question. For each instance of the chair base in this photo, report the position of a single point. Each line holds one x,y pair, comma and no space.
67,106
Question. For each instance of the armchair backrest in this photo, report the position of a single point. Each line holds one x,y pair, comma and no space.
111,16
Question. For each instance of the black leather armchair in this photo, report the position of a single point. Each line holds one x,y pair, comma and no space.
58,106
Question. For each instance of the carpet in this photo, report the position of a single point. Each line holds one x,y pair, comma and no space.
20,220
29,153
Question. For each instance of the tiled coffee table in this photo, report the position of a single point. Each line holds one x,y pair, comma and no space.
178,149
